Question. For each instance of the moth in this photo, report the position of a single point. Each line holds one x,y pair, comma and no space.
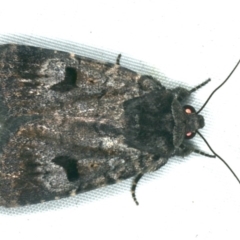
70,124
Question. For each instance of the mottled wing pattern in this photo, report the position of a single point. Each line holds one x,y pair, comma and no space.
69,124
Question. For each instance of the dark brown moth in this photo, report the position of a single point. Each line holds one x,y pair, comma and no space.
70,124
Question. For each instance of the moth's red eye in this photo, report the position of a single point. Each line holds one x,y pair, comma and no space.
190,135
189,109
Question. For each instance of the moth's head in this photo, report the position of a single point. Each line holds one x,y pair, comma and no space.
193,121
190,121
186,122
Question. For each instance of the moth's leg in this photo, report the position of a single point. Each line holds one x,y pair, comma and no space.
134,185
118,59
157,163
200,85
185,150
147,82
203,153
182,93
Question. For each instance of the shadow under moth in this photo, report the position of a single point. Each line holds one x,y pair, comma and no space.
70,124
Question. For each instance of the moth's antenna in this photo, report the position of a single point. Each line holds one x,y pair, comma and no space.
218,87
217,154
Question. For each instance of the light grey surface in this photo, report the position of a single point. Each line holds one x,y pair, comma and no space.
181,43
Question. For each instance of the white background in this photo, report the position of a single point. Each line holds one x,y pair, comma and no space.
181,43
